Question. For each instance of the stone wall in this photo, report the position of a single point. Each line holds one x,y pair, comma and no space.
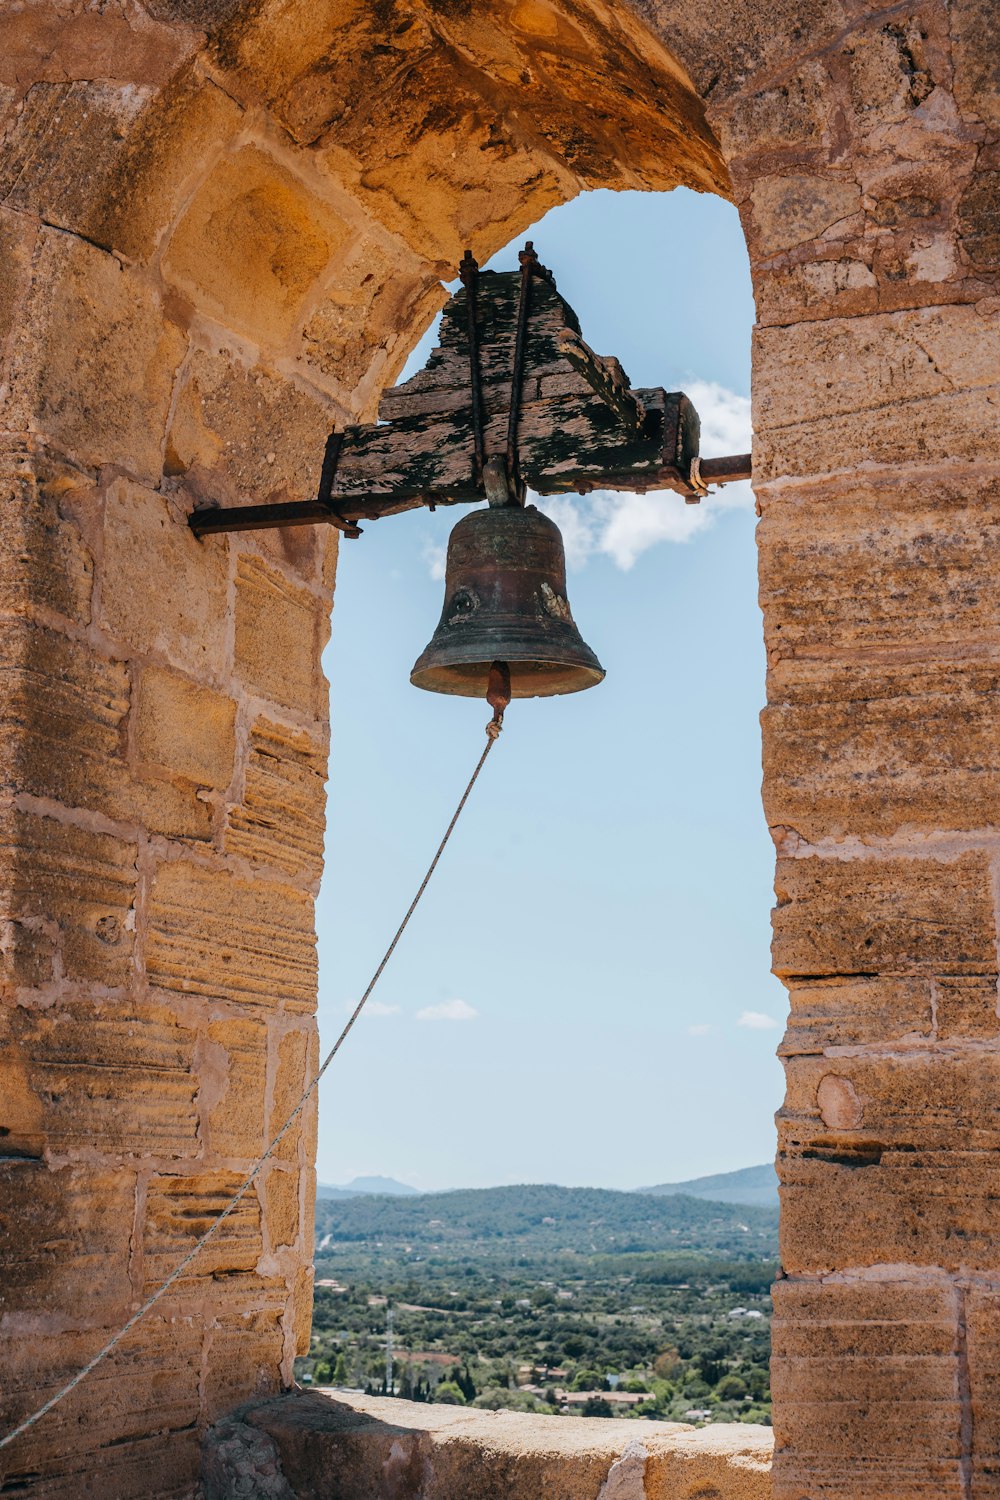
315,1444
222,225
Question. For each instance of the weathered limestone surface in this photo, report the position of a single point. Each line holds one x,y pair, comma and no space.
315,1444
222,226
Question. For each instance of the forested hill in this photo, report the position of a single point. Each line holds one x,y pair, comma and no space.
541,1220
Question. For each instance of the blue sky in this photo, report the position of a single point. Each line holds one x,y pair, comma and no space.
584,995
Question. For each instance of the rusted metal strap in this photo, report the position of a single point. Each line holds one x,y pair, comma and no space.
529,267
207,519
469,273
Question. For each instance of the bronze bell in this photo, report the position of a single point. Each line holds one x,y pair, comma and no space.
505,601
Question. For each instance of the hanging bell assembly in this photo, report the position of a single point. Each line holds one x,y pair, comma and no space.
512,397
505,601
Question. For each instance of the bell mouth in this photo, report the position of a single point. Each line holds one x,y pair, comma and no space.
528,679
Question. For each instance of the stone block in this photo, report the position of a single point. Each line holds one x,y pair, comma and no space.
149,1384
861,749
982,1321
282,817
863,1012
302,1291
98,327
790,116
842,366
68,138
905,387
152,1468
792,210
104,1074
281,1207
77,885
183,619
179,1209
859,1012
855,1203
62,728
828,287
18,235
65,1236
865,1378
919,431
233,1079
184,728
917,1099
278,637
979,219
890,1159
251,245
977,80
297,1064
366,316
891,562
185,124
884,916
44,564
419,184
889,71
965,1009
322,74
243,434
212,934
28,954
720,1462
242,1363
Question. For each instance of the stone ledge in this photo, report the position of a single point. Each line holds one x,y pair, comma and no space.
317,1445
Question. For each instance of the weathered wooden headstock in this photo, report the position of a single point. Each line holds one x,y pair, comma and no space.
511,395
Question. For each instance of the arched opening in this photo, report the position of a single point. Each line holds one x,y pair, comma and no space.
639,800
222,226
556,1017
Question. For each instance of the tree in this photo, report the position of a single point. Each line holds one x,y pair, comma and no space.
449,1393
667,1364
731,1388
339,1372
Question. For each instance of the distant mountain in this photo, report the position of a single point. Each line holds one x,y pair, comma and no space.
363,1186
757,1186
536,1220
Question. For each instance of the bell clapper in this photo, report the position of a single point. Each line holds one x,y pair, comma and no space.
497,696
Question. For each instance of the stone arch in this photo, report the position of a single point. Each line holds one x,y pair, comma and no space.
223,225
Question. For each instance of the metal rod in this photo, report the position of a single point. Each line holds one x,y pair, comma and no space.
726,470
528,261
215,518
469,273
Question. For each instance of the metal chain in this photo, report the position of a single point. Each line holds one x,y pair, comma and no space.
492,733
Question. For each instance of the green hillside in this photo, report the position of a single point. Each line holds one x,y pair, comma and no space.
540,1220
748,1185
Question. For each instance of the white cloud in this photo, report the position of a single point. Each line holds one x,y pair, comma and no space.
703,1028
623,526
725,418
756,1020
435,555
379,1008
448,1010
